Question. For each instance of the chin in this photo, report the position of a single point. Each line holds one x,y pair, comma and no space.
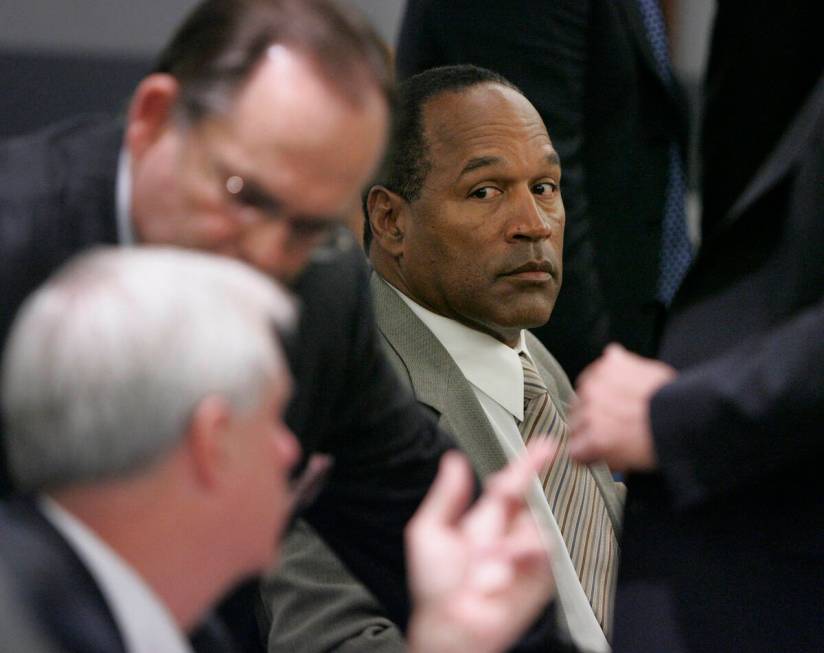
531,316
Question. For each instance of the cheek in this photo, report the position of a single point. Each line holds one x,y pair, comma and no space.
451,246
212,231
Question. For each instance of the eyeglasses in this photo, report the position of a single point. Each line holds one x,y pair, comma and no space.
255,204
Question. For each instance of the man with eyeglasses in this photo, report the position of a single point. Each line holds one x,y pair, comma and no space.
252,139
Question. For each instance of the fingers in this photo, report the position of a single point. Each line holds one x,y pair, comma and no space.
513,479
450,493
500,527
526,547
585,448
503,498
598,389
306,487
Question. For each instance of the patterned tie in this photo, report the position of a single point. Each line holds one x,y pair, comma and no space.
676,248
574,499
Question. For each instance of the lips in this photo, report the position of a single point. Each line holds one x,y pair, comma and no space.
532,266
533,272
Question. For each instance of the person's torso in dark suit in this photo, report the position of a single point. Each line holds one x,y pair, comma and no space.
56,198
724,551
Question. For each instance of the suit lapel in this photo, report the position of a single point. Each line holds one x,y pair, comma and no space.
59,590
436,380
89,208
784,157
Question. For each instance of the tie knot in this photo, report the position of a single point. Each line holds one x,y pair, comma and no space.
533,383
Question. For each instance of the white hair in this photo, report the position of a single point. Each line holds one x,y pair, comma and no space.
107,360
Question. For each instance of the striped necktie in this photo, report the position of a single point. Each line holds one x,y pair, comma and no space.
574,499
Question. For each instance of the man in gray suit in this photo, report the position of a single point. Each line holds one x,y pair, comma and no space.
465,230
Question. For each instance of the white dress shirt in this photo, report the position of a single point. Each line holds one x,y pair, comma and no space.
122,199
494,371
143,620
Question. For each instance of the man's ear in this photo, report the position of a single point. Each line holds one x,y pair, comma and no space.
150,111
207,439
387,218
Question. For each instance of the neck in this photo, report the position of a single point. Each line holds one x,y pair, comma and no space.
151,531
510,337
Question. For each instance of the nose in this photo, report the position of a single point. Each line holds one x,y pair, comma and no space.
268,247
529,220
287,447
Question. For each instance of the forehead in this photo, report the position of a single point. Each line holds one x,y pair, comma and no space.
486,120
289,129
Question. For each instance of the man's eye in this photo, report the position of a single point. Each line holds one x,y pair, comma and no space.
241,202
545,188
485,193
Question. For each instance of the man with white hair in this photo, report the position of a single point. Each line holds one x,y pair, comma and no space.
145,420
145,428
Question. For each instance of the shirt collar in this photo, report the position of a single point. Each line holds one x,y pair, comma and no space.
123,197
143,620
487,363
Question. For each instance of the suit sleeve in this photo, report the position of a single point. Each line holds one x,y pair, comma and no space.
314,604
542,48
386,450
752,412
756,410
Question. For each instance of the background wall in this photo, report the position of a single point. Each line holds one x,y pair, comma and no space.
60,57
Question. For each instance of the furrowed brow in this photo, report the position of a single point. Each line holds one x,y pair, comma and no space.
479,162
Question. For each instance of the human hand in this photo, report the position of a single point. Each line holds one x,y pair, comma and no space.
480,577
610,419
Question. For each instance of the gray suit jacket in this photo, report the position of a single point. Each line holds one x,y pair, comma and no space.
312,602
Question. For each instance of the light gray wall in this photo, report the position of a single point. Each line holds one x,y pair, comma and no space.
63,57
385,15
140,27
123,27
691,42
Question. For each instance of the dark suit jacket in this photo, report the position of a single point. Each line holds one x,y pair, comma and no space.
18,629
57,197
723,550
588,68
752,92
50,581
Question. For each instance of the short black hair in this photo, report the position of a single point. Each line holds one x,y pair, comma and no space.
406,162
218,46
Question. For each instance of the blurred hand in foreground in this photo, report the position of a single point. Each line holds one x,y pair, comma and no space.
478,577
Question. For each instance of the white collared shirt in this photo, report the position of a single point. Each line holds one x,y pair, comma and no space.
494,371
143,620
123,197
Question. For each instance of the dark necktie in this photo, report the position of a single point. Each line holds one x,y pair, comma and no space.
676,248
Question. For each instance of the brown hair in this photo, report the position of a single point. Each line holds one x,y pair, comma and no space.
218,46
